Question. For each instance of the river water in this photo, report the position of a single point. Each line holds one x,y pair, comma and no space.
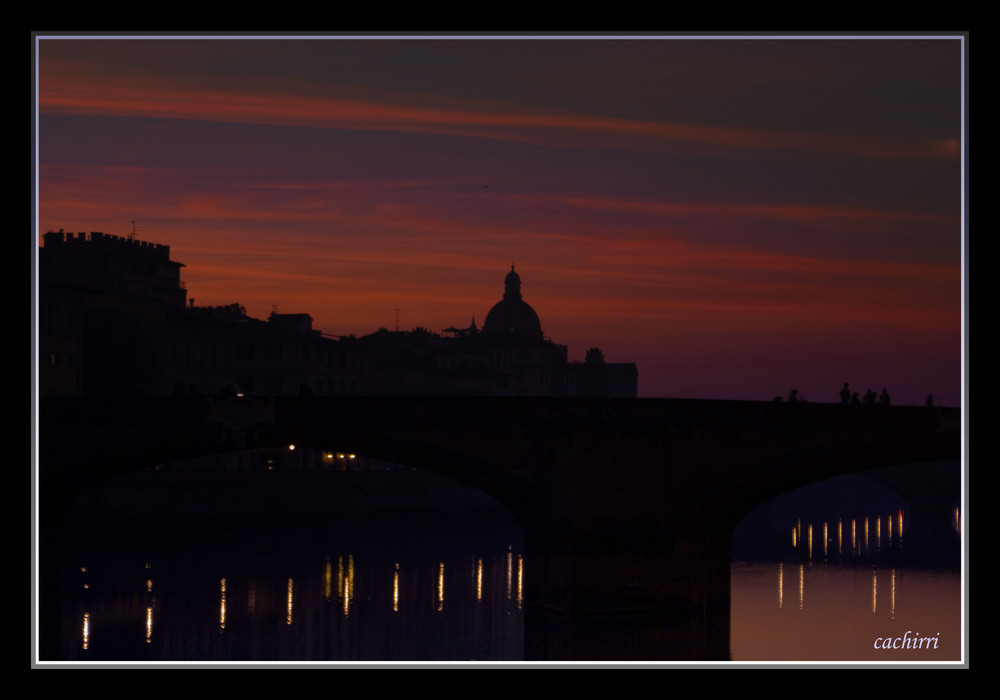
850,571
196,565
249,565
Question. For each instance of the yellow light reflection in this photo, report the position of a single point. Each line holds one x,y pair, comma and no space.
222,604
395,589
874,590
840,537
441,586
825,539
345,581
290,599
810,543
327,579
86,630
520,580
892,595
802,586
781,584
149,625
479,578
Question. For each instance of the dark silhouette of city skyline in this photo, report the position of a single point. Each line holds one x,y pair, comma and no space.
115,320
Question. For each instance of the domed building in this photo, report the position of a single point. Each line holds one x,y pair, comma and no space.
512,315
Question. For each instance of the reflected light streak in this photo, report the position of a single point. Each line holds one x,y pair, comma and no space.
809,544
892,595
395,588
840,537
479,579
345,581
327,579
290,599
149,624
85,633
802,586
440,586
874,590
340,575
825,539
781,585
222,604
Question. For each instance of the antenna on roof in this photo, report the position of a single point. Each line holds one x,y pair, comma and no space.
131,236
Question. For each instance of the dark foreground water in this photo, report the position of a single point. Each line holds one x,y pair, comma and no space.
267,566
224,565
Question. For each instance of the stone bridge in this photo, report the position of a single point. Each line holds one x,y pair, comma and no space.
627,505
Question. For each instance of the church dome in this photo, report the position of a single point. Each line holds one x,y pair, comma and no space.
512,315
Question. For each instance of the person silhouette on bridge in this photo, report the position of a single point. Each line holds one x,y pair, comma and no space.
884,398
845,394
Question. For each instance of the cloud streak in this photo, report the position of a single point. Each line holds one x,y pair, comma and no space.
785,205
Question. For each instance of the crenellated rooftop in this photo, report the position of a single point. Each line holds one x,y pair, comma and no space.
105,241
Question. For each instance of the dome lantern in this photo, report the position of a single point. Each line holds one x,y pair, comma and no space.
512,315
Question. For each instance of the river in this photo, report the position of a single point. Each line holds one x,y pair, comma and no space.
249,565
850,571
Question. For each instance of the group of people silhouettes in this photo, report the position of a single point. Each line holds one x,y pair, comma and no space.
847,397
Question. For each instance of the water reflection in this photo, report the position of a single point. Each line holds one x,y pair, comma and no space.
871,536
161,581
882,585
840,613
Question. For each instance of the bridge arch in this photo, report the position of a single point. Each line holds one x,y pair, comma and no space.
627,488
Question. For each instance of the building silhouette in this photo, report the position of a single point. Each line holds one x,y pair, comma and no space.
115,320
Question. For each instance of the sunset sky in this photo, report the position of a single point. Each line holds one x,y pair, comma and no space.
740,216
